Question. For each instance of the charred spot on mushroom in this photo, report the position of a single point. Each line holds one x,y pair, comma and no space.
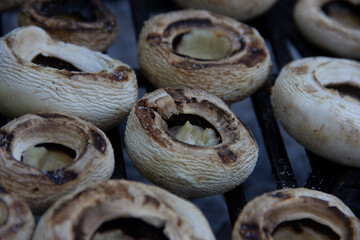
204,135
61,176
49,61
5,139
343,12
346,90
99,142
83,11
48,156
130,227
303,229
187,23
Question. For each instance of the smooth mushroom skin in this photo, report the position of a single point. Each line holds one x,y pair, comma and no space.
263,214
80,214
240,73
16,219
327,33
96,27
188,170
94,160
319,117
242,10
6,5
102,90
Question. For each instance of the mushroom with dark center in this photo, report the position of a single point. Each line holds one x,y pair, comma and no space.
54,62
343,12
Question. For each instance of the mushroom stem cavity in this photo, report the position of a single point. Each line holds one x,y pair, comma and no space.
3,212
81,11
304,229
343,12
54,62
128,228
346,90
202,44
48,157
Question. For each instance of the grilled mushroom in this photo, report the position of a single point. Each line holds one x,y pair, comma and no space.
123,208
331,25
219,154
16,219
81,22
242,10
201,50
6,5
46,155
296,214
317,102
38,74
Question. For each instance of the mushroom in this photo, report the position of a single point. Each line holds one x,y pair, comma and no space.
40,177
317,101
242,10
297,213
331,25
201,50
38,74
6,5
122,208
210,162
86,23
16,219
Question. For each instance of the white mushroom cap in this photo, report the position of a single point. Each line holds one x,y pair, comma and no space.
103,93
320,118
185,169
242,10
80,214
262,215
325,32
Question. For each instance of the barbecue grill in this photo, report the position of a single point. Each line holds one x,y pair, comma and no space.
309,170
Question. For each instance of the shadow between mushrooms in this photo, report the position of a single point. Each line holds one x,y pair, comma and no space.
186,168
203,50
86,23
331,25
297,213
39,74
39,175
122,208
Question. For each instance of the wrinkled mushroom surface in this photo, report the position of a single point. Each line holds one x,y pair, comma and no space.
86,23
39,188
297,213
38,74
16,219
317,102
182,167
240,65
242,10
331,25
107,209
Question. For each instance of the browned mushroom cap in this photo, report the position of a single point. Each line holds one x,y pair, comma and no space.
182,167
239,9
16,219
296,214
40,180
82,22
123,208
39,74
331,25
9,4
201,50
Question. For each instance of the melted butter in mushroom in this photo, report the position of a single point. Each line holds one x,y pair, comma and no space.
46,159
195,135
344,13
203,44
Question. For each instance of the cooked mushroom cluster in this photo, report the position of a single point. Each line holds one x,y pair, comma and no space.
121,209
39,74
189,142
317,101
298,213
86,23
33,166
201,50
